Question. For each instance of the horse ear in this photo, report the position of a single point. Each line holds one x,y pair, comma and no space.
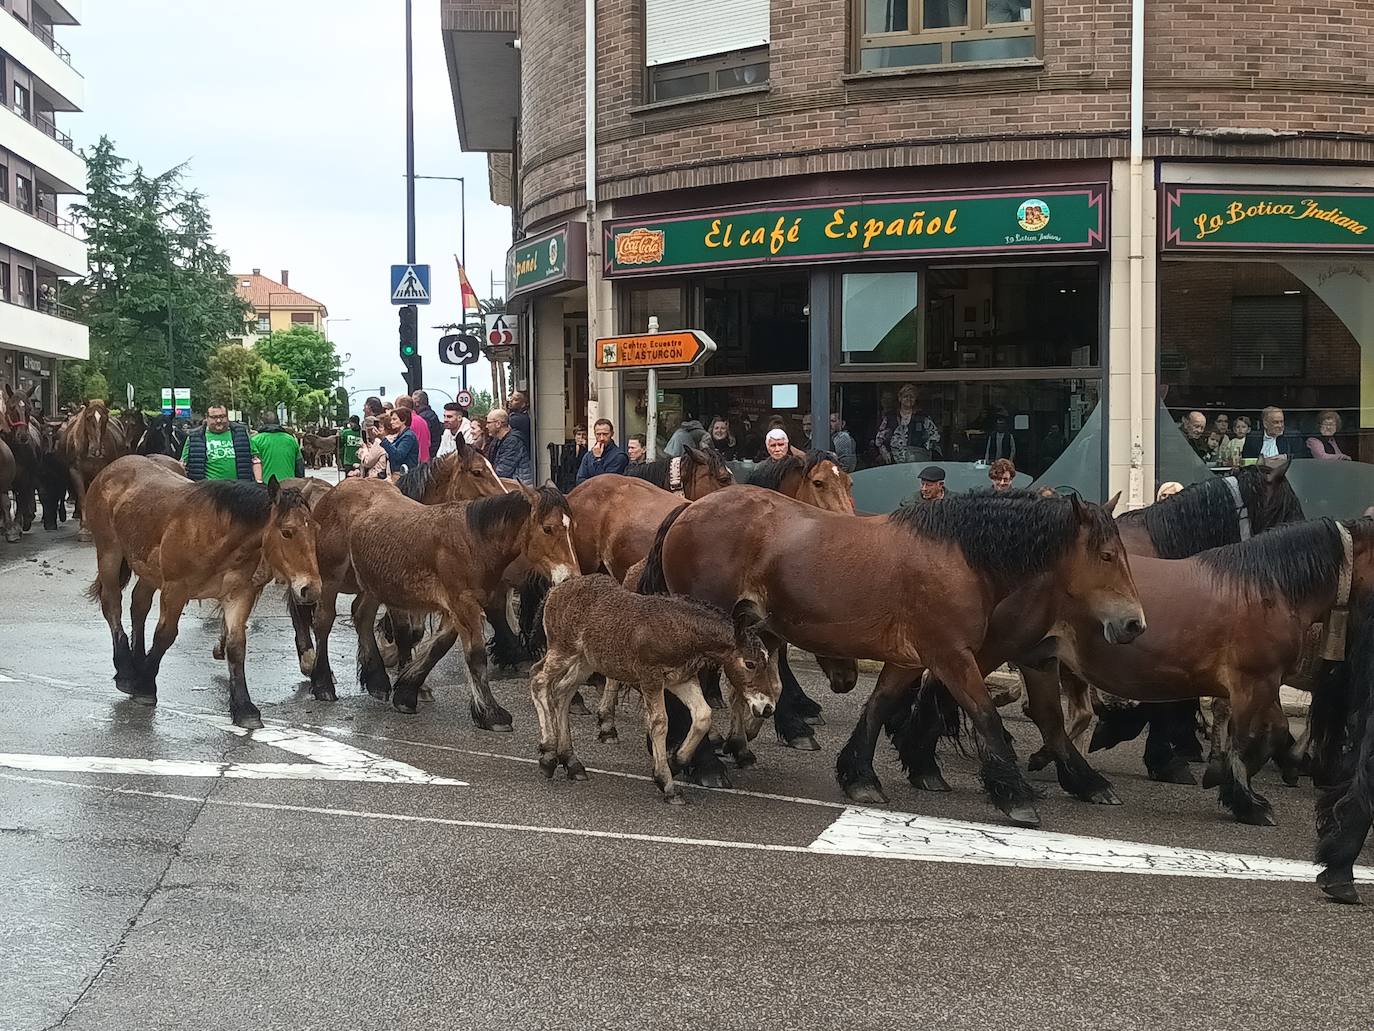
695,454
1275,469
1079,512
1110,506
746,616
273,489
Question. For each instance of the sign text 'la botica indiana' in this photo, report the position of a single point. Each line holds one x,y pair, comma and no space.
1213,218
1036,219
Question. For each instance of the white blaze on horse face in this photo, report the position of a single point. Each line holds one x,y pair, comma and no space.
560,572
492,469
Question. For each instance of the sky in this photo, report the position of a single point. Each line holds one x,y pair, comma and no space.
290,115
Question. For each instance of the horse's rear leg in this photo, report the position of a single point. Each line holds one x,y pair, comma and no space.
703,766
1167,723
321,673
691,695
854,765
1075,774
372,673
301,618
168,622
139,607
1002,778
79,493
605,711
111,575
559,701
915,736
789,719
405,696
656,723
1258,727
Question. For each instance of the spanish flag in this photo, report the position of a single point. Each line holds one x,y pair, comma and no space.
469,294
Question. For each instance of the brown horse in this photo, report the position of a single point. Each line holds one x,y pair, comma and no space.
20,429
1218,511
462,475
9,472
89,441
449,559
319,449
915,588
221,540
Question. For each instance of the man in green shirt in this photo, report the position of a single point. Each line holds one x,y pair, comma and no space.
278,451
350,440
220,451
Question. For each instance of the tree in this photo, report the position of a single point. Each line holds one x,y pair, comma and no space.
95,386
239,378
313,407
305,354
481,404
154,271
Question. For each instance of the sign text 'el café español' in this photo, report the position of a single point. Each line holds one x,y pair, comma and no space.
1043,219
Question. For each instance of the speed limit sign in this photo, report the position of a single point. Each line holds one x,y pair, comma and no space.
500,330
464,398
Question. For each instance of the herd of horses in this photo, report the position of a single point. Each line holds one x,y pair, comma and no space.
55,461
1212,593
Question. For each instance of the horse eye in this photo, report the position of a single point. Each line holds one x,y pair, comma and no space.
1107,556
750,665
286,535
549,530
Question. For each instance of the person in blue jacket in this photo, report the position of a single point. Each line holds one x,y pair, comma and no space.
604,456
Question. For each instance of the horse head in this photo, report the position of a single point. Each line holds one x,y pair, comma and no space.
288,543
469,474
546,541
17,407
1268,495
1097,573
823,484
704,471
748,667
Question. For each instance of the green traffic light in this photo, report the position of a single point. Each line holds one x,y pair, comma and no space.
407,350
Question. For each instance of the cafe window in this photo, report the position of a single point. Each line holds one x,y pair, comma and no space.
665,303
880,317
759,323
933,33
699,47
1269,357
745,411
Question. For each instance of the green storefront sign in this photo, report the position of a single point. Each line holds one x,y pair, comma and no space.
554,258
1047,219
1215,219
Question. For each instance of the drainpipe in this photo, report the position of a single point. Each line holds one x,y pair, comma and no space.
589,175
1136,485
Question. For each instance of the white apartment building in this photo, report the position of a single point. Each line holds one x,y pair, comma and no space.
39,170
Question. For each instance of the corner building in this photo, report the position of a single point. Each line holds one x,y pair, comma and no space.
971,200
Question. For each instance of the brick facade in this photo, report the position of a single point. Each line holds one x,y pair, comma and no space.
1299,72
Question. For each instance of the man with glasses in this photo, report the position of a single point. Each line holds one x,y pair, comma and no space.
218,450
509,456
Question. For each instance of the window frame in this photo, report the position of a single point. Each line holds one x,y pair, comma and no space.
976,29
263,323
303,318
712,65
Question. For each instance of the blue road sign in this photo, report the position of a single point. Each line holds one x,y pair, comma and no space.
409,284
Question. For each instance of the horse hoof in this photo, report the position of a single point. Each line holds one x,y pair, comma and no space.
405,705
1339,887
248,720
1102,796
1023,816
865,792
217,653
143,698
576,771
816,720
495,728
744,758
1215,775
577,707
548,763
929,782
675,798
710,778
607,737
1291,776
1039,760
802,743
324,694
1258,818
379,693
307,662
1176,772
426,694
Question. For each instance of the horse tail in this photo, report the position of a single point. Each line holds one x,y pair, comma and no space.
1344,809
93,591
652,581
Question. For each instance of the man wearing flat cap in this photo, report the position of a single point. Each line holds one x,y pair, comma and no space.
932,483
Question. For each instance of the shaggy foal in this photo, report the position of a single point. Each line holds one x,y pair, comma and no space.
657,642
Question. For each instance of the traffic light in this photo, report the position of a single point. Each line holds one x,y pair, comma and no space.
410,346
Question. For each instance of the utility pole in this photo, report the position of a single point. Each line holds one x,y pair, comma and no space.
409,314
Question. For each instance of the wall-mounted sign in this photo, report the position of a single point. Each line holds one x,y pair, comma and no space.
653,350
1213,218
554,258
1042,219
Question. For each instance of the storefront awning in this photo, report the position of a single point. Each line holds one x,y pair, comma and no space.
551,260
483,71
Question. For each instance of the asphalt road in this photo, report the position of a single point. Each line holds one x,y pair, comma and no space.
354,868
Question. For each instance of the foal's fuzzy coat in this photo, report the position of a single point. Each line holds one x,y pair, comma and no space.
655,641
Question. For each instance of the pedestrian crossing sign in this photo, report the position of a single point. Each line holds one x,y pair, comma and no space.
409,284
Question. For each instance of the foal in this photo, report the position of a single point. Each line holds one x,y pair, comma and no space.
659,643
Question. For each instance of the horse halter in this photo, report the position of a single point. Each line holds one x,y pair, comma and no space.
1241,510
675,475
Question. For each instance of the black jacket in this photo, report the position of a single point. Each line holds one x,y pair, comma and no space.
436,431
1289,444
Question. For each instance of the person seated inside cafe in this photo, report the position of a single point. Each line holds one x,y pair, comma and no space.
1228,454
1322,445
1002,472
1273,439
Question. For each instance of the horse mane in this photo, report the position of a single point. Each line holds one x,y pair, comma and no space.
1009,535
771,473
246,502
1276,507
416,480
1297,562
1203,515
656,472
815,458
491,515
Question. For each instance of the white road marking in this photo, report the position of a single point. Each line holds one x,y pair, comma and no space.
855,834
7,680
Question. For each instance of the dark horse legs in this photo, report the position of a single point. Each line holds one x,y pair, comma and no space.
790,717
854,765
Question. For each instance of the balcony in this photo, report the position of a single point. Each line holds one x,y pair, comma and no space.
33,46
41,143
47,236
483,71
52,334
